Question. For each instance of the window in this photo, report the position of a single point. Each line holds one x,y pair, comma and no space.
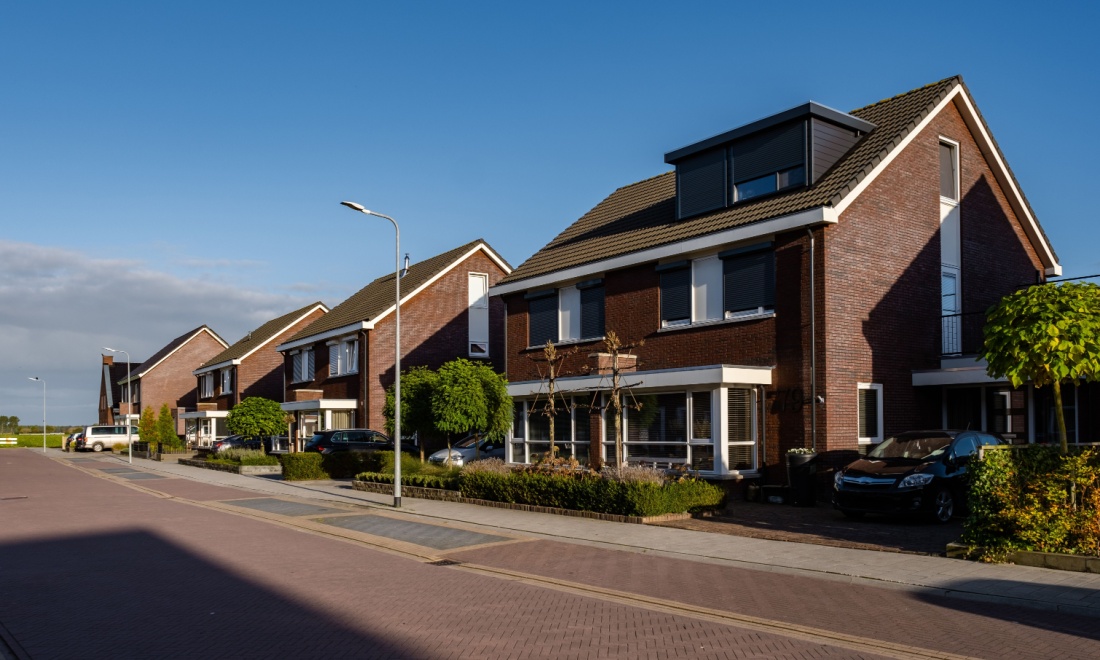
302,363
795,176
206,386
870,412
740,442
227,380
531,434
733,284
343,357
571,313
949,171
478,311
341,419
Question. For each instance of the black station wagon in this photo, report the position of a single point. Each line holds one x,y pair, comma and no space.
916,472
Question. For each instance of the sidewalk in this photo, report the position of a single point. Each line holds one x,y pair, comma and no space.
1077,593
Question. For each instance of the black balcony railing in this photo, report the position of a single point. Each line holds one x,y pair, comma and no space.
961,334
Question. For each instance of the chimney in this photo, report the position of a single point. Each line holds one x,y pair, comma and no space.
108,360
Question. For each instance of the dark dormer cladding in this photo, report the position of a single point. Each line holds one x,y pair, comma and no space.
788,150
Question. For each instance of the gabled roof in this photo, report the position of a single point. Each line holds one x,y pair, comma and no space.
114,376
258,338
376,300
138,371
642,216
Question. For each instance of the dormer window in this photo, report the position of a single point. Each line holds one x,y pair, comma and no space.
788,178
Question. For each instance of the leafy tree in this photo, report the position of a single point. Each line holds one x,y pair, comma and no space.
470,397
256,416
1048,334
147,426
165,432
417,387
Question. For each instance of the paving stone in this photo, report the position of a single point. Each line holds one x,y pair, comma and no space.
431,536
283,507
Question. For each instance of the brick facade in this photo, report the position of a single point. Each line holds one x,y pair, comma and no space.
171,382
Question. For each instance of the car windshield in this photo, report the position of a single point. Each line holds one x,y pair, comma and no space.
466,443
915,447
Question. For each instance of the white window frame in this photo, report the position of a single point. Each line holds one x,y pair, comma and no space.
478,314
227,380
706,290
206,382
346,353
954,201
569,313
878,388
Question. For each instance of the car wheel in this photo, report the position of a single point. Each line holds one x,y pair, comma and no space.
97,446
854,515
943,506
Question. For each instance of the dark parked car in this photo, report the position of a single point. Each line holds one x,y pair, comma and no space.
916,472
332,442
238,442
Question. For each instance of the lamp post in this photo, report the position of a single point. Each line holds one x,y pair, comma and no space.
396,354
43,410
129,401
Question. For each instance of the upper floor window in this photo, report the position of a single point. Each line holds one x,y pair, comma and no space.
869,403
732,284
227,380
343,357
478,312
794,176
572,313
949,171
302,363
206,385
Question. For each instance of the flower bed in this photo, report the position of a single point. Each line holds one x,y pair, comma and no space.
235,468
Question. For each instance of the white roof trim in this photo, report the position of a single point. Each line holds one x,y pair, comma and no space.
454,264
319,404
985,143
285,328
819,215
182,344
714,375
216,366
205,414
335,332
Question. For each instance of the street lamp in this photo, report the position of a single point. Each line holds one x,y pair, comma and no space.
129,401
43,410
396,354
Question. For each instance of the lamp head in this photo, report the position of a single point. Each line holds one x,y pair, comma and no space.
355,207
113,350
33,378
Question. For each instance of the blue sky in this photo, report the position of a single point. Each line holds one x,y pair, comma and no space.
165,165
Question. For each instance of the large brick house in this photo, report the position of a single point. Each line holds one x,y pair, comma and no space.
165,378
338,368
250,367
806,280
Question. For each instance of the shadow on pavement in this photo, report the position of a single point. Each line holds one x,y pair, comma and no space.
131,594
823,525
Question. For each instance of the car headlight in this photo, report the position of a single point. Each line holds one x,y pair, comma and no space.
918,480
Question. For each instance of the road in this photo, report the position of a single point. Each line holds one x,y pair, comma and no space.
98,559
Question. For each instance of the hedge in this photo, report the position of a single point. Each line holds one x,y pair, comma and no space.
1033,498
586,492
304,466
421,480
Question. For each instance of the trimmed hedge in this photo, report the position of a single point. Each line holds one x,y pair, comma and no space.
1033,498
304,466
421,480
587,492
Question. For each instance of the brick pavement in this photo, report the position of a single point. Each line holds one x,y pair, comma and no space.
904,618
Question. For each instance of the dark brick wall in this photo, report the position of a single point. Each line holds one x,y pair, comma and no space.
172,382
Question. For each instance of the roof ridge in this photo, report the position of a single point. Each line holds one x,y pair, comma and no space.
957,78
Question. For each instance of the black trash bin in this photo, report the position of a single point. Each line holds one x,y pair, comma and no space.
802,478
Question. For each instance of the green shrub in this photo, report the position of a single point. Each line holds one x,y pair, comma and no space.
589,492
421,480
303,466
1033,498
242,457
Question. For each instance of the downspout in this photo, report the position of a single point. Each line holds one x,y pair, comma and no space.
813,349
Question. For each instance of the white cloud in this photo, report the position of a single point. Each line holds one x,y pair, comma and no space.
58,307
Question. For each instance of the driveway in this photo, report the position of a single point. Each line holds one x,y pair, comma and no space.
823,525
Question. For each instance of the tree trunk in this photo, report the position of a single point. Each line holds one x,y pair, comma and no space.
1059,415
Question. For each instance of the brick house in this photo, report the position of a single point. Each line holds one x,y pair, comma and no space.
806,280
337,369
250,367
165,378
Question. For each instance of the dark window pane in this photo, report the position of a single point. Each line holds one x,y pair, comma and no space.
749,281
592,312
676,295
755,187
702,457
947,171
543,320
518,422
661,418
868,413
700,415
796,176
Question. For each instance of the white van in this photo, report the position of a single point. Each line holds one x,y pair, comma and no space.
98,438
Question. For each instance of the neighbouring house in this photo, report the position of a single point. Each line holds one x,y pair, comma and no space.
813,279
165,378
250,367
338,368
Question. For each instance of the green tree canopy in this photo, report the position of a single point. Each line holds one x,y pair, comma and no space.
1048,334
166,428
147,426
470,397
256,416
417,387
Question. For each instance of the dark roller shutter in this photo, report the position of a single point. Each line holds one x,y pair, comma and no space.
748,281
701,183
868,413
542,322
592,312
676,295
769,152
